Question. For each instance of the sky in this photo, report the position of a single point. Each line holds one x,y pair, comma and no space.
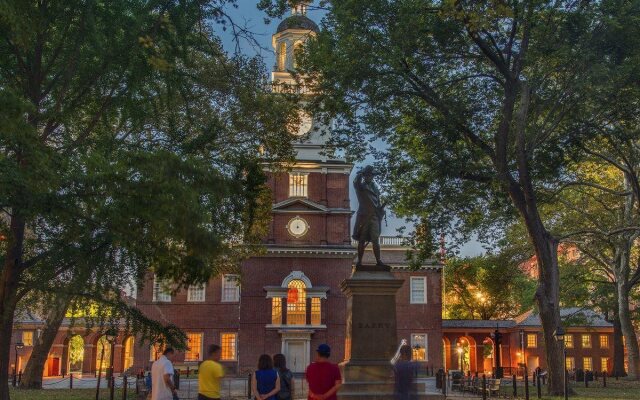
247,16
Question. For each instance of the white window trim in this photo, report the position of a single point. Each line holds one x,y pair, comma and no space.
157,290
201,346
424,294
192,289
426,345
235,347
222,294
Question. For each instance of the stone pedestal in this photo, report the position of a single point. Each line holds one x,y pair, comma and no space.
371,339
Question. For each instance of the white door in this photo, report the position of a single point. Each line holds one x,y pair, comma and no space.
296,357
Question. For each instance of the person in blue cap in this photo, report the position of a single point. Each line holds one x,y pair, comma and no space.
323,376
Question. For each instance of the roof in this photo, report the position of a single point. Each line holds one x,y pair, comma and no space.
478,323
572,316
298,22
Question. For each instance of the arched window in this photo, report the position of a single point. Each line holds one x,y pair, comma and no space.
298,48
282,56
297,303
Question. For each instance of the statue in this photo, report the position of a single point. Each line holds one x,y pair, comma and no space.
369,216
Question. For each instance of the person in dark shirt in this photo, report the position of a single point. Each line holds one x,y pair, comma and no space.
323,376
405,372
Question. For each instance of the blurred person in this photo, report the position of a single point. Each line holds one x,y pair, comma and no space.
286,377
210,373
405,372
266,382
323,376
162,385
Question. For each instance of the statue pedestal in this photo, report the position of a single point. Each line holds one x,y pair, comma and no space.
371,340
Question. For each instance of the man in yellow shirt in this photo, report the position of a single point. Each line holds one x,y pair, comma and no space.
209,375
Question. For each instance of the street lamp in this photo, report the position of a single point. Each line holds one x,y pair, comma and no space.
18,346
559,335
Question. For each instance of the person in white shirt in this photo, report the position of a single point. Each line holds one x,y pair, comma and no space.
162,386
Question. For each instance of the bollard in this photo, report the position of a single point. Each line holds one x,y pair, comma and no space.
515,386
533,378
484,387
19,377
249,387
125,385
112,385
604,379
526,384
586,381
15,378
538,386
188,370
71,381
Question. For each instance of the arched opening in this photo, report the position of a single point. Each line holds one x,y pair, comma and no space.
127,354
75,354
446,352
488,352
282,56
297,303
298,47
103,354
463,354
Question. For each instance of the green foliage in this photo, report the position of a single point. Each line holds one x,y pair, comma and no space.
486,287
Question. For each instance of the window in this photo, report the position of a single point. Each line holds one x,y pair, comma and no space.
586,341
230,288
419,346
315,311
195,293
568,341
532,340
194,347
604,364
297,303
571,363
282,56
160,290
128,353
587,363
27,338
276,311
298,183
604,341
228,342
298,48
418,290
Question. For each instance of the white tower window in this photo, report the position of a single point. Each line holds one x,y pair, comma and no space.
282,56
298,184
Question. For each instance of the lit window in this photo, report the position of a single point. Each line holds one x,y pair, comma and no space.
418,290
587,363
298,47
586,341
128,353
297,303
161,291
27,338
298,183
571,363
276,311
228,342
604,364
282,56
195,293
155,351
419,346
315,311
604,341
230,288
194,347
568,341
532,340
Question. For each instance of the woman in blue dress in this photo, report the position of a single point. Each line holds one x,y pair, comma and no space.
266,382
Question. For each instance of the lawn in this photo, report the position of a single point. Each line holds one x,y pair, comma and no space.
66,394
615,390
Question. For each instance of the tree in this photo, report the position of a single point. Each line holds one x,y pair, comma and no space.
486,287
127,134
476,102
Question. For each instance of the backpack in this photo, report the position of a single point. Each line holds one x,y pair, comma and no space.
285,385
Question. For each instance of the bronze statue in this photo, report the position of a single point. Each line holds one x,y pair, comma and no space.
369,216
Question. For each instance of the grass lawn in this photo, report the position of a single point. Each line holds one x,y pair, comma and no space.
66,394
615,390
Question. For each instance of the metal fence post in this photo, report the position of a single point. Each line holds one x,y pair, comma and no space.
484,387
538,384
515,386
526,384
249,386
71,381
604,379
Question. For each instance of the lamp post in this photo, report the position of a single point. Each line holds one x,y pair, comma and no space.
18,346
559,335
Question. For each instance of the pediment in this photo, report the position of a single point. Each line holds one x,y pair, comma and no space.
299,204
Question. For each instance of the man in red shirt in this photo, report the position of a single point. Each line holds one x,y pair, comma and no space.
323,376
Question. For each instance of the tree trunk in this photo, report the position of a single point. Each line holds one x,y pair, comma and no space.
32,376
9,297
618,348
627,330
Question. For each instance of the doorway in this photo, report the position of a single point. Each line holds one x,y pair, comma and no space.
297,357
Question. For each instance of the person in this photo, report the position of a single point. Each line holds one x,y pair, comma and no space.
210,373
404,371
370,214
162,386
323,376
286,377
265,383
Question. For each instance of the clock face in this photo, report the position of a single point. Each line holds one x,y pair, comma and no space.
297,227
305,123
